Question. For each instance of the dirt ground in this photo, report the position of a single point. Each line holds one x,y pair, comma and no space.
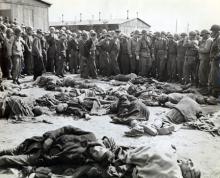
201,147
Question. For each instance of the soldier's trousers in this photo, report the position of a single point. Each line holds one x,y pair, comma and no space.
171,67
16,67
60,61
28,63
180,63
204,69
91,66
83,67
145,66
114,68
124,63
51,57
134,65
5,64
214,77
73,62
162,68
189,69
38,66
104,66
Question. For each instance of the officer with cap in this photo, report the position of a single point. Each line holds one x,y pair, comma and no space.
191,58
144,53
181,51
204,58
132,45
52,48
37,52
17,55
214,77
171,62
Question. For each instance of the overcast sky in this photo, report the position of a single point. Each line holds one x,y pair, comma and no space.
160,14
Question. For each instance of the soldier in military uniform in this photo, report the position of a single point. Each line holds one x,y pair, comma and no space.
204,58
191,58
132,45
214,77
160,50
181,51
3,52
52,48
114,48
144,53
171,62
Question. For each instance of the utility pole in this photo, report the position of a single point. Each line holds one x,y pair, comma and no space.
176,25
127,14
80,17
137,14
99,16
62,20
187,29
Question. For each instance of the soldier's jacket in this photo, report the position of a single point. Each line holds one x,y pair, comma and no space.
124,46
114,46
172,47
204,48
28,43
81,47
144,48
17,47
191,48
181,50
61,48
37,47
132,45
52,44
73,45
160,46
215,49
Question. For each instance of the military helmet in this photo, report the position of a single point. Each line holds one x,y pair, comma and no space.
143,32
183,34
203,32
215,28
17,30
169,35
192,33
3,27
9,31
157,33
136,32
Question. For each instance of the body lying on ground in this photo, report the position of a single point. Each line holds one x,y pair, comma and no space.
78,154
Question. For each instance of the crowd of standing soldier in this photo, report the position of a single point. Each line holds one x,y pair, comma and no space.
185,58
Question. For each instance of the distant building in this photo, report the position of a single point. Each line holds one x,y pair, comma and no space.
28,12
125,25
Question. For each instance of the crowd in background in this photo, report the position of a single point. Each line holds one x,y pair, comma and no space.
192,58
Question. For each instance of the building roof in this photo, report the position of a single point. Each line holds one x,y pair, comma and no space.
96,22
45,2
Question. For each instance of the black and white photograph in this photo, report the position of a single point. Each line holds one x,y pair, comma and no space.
109,89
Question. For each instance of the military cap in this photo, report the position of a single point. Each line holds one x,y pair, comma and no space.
29,29
68,32
52,28
92,33
117,30
169,36
79,31
136,32
157,33
17,30
143,32
163,33
9,31
63,28
74,35
104,31
203,32
215,28
183,34
3,27
39,31
192,33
